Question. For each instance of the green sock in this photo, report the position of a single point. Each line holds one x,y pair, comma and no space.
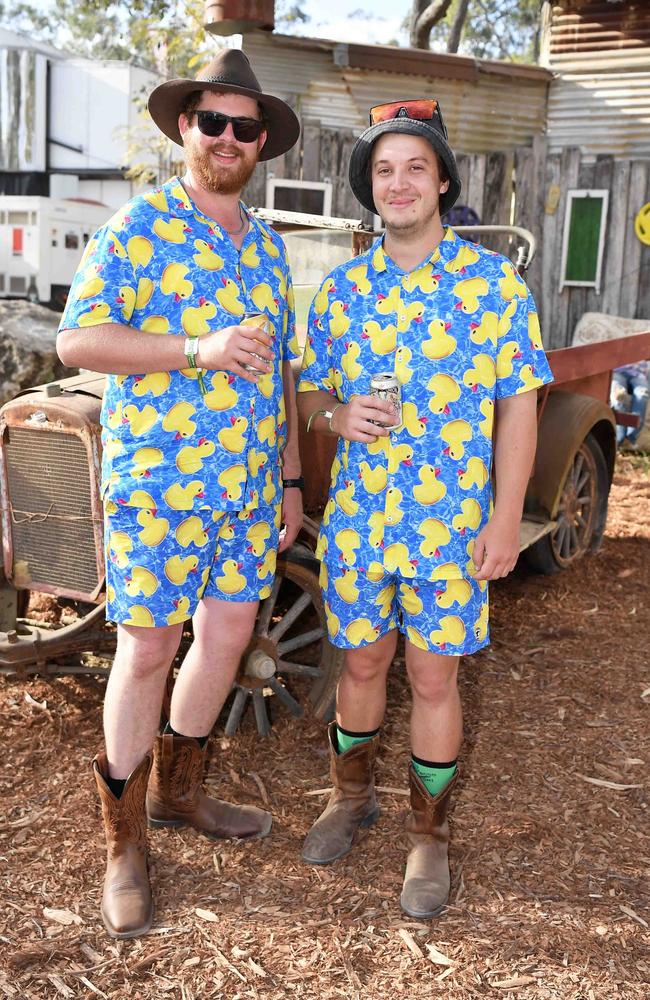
434,776
346,739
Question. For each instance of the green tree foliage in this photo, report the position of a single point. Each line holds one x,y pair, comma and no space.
491,29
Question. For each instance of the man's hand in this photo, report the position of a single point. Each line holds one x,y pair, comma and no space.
496,549
291,517
362,418
229,349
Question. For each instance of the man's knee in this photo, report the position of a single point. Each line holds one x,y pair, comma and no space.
367,664
142,653
433,679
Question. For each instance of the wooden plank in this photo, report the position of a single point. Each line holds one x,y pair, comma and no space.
603,180
550,273
576,298
613,262
463,163
643,305
311,163
476,184
498,196
538,198
632,248
254,194
585,360
559,302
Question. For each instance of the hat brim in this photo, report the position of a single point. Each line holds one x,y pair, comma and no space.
166,102
359,173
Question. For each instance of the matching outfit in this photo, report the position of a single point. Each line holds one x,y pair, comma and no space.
191,483
459,332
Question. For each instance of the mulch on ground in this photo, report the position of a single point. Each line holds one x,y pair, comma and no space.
550,824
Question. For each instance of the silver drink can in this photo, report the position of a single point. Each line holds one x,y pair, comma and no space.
386,386
260,320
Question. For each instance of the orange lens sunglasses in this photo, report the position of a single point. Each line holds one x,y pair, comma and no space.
424,110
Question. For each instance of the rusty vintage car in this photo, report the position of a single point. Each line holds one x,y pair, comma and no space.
51,525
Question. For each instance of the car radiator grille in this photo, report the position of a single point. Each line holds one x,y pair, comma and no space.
49,490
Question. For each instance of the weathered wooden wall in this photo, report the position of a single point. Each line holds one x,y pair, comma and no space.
528,188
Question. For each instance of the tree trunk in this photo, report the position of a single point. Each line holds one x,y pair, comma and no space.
457,27
423,19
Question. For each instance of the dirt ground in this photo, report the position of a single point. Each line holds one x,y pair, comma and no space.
550,827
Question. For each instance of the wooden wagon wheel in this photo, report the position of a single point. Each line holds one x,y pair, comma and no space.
290,659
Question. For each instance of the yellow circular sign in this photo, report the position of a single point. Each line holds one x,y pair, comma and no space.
642,224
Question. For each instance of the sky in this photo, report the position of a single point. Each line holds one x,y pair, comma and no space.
374,22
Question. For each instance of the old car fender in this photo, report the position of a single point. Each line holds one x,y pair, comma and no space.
566,420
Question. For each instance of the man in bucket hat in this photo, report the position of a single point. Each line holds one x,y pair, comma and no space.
200,459
410,536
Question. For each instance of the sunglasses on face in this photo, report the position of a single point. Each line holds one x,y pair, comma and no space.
423,110
213,123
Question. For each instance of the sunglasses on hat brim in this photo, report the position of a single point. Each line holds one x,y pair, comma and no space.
423,110
213,124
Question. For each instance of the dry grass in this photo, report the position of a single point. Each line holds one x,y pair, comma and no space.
550,827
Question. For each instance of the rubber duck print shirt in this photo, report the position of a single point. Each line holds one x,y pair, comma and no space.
160,266
459,332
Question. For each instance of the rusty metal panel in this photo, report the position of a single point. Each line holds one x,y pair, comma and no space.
229,17
584,26
52,521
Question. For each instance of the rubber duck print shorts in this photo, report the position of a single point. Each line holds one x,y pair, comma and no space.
448,617
159,568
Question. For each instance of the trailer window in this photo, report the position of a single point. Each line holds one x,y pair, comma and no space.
18,218
585,222
71,241
310,197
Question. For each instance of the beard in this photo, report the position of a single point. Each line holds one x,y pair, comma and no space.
216,178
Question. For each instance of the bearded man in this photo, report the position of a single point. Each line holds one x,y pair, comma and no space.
200,456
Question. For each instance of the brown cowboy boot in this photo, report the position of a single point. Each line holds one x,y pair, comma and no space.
352,804
426,883
127,907
175,796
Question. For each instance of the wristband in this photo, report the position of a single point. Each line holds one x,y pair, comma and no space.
298,483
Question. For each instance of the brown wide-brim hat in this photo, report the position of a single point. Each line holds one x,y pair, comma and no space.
229,72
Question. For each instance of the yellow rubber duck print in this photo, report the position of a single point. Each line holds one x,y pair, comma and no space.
178,568
465,257
98,313
182,497
455,592
402,357
511,285
435,535
206,258
445,391
348,541
376,522
384,600
139,498
383,340
155,324
157,199
391,303
228,298
396,557
140,616
393,513
174,282
349,361
507,354
267,431
482,372
439,344
415,424
338,324
195,319
190,459
257,536
222,396
416,638
409,599
119,546
476,474
333,622
487,331
115,247
144,460
398,454
268,490
181,614
454,434
157,383
487,412
154,529
93,284
374,480
359,631
423,278
358,275
141,581
505,320
430,490
173,231
178,420
375,572
534,332
191,532
140,252
267,565
529,380
232,479
256,461
264,299
321,300
345,499
250,257
232,581
481,623
346,586
140,421
470,516
450,633
469,291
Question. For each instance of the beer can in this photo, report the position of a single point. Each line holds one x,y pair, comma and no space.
260,320
386,386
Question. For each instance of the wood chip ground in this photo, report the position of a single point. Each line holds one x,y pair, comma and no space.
550,822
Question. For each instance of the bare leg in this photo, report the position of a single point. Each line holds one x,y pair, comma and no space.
436,718
361,692
134,693
222,630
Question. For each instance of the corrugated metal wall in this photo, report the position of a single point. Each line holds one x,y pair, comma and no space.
23,75
600,100
495,112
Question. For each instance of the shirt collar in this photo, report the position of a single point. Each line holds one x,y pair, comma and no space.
382,262
182,204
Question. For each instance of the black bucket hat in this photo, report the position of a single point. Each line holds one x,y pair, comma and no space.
229,72
433,130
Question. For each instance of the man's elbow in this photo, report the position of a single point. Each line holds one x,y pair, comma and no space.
66,347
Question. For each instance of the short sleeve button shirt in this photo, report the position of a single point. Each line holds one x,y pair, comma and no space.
459,332
161,266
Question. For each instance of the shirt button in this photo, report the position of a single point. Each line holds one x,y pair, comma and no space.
389,519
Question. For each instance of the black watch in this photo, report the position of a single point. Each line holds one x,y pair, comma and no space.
298,484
